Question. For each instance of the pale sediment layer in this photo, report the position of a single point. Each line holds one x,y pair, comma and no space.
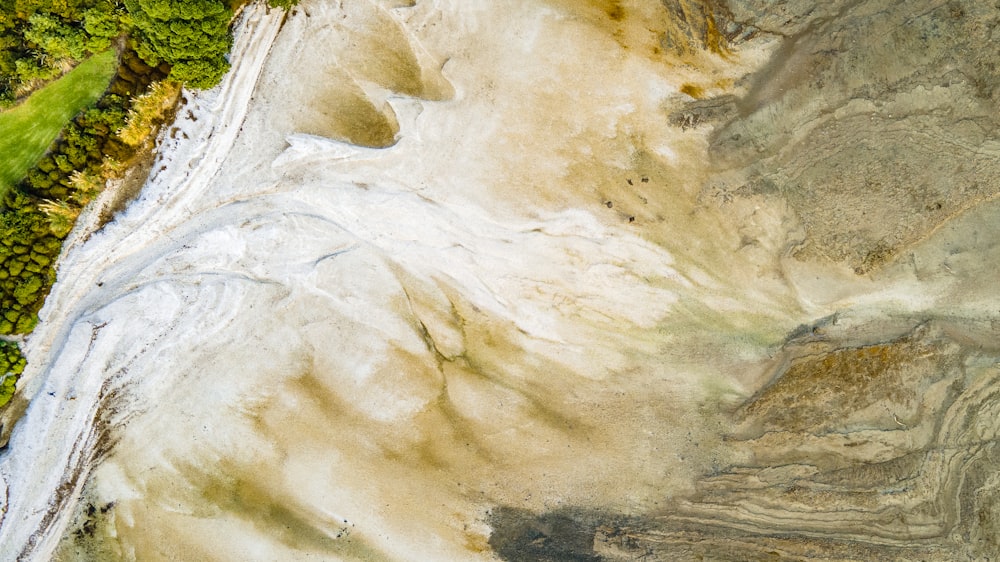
533,281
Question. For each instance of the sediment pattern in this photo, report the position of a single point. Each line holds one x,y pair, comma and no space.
879,452
876,121
540,280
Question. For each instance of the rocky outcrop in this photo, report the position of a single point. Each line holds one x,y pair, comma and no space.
885,451
876,121
873,452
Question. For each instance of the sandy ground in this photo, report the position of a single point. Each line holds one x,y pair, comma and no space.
404,265
70,439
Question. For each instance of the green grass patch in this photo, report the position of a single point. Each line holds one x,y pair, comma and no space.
27,130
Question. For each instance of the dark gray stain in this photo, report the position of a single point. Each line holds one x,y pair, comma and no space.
565,535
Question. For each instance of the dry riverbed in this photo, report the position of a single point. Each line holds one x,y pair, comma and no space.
540,280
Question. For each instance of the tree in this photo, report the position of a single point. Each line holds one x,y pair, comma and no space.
190,35
56,38
102,24
200,74
11,365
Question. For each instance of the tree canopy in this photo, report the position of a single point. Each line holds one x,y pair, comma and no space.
192,36
42,39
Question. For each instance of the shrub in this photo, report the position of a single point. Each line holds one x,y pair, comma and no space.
11,366
284,4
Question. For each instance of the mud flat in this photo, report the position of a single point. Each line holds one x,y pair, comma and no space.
539,281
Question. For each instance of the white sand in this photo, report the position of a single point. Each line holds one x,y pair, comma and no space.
305,349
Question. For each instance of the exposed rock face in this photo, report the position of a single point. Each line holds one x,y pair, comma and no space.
877,121
886,451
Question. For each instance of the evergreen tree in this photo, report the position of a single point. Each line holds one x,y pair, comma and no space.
190,35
